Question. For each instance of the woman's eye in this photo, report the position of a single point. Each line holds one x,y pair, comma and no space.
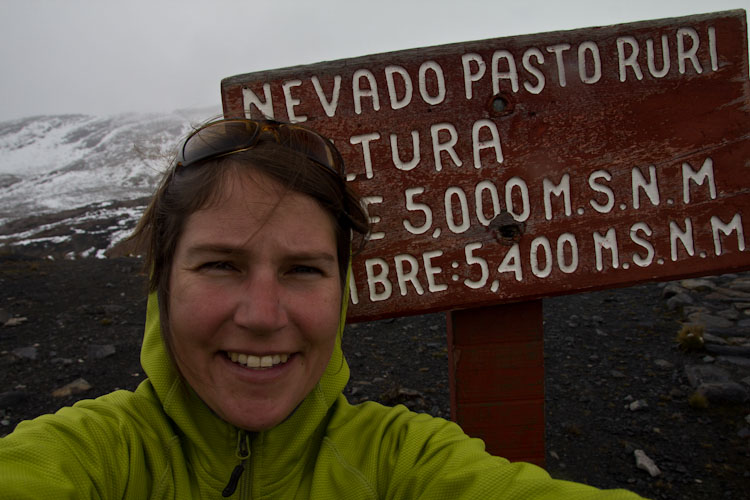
217,266
305,270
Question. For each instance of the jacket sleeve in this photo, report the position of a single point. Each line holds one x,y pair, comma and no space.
433,459
80,452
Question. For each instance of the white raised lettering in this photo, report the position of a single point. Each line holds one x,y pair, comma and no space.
409,276
631,60
684,236
520,185
558,51
472,260
381,278
651,57
601,188
705,173
512,262
734,225
415,155
358,92
568,239
329,106
593,49
353,294
543,243
685,54
439,80
431,271
470,76
396,102
643,243
493,142
463,203
448,146
561,189
712,48
374,219
511,74
536,54
638,182
265,107
490,187
412,205
291,101
609,242
365,140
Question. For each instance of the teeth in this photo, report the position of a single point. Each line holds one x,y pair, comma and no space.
258,361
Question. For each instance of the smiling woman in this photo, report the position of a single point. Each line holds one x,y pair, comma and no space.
248,243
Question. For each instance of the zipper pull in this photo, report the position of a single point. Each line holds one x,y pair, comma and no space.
243,453
234,479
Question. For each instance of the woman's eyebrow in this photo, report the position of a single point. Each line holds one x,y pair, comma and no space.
211,248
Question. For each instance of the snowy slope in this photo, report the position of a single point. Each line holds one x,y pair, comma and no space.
60,173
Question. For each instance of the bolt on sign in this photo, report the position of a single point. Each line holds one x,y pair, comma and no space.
515,168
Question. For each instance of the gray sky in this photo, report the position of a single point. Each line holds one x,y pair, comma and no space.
111,56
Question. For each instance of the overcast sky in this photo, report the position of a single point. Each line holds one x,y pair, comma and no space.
104,57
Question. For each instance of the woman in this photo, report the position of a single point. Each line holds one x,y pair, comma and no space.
248,242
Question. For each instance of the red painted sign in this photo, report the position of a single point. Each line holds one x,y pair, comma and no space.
515,168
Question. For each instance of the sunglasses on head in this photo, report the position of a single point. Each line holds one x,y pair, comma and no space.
228,136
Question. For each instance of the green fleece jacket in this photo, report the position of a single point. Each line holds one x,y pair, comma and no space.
163,442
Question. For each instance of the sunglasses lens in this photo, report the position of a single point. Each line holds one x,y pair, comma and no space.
219,139
312,145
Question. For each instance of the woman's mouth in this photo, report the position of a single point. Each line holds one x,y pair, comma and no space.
258,362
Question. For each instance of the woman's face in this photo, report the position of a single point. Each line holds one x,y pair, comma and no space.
255,300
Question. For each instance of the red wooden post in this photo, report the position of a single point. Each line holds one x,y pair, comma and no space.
496,357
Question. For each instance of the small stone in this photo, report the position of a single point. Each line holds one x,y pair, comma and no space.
554,455
100,351
708,359
736,360
638,405
710,321
679,300
713,339
698,285
12,398
663,363
15,321
730,314
75,387
617,374
737,294
671,290
643,462
25,353
700,374
724,392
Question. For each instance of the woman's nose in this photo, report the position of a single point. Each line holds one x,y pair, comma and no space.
260,307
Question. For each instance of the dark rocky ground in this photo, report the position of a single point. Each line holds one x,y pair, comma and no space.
603,350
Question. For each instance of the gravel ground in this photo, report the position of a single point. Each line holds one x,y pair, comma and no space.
601,353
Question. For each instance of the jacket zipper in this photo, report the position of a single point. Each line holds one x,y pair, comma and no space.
243,453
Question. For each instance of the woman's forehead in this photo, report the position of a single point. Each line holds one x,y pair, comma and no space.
251,206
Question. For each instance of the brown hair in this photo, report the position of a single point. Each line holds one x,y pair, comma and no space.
183,191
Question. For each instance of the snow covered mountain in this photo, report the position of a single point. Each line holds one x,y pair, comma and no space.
74,185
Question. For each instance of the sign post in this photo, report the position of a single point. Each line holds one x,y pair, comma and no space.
502,171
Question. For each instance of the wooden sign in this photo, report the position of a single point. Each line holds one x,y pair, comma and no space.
516,168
